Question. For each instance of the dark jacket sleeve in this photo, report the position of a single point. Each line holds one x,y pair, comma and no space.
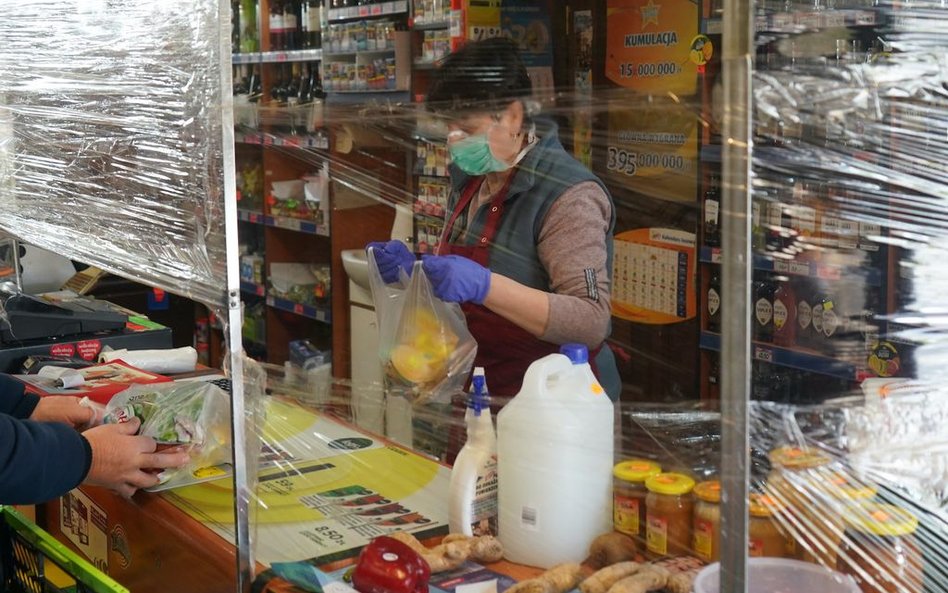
14,401
40,461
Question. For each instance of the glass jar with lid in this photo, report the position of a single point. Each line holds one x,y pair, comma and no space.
669,507
879,549
793,478
833,494
706,540
765,536
629,492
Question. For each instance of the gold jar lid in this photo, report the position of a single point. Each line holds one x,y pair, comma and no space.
763,505
845,486
884,520
796,458
636,470
670,484
709,491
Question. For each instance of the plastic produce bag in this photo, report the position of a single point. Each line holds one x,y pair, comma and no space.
424,344
195,415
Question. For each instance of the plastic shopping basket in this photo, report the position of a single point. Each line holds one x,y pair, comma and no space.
32,561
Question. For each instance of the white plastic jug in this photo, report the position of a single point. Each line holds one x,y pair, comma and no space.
555,457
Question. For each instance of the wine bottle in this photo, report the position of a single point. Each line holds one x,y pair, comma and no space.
277,26
291,24
785,314
712,204
714,301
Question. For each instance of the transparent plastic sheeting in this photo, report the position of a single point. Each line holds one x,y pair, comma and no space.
110,137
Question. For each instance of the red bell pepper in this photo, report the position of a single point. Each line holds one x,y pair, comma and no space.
387,565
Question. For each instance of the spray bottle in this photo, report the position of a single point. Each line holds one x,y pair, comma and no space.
472,492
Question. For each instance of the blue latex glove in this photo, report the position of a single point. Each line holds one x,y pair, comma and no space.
457,279
392,256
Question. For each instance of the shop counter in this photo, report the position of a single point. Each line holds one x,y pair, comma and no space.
326,489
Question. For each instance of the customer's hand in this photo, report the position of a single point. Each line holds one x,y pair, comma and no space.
65,409
392,256
120,459
456,279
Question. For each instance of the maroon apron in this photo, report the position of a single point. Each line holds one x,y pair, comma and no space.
504,349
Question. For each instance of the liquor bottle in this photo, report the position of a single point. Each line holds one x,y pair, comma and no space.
758,233
714,301
833,323
763,323
235,27
773,226
804,331
714,377
277,26
712,207
817,338
313,23
803,221
278,90
249,35
785,313
292,90
255,85
291,24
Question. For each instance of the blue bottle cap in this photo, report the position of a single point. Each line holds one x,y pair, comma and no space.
577,353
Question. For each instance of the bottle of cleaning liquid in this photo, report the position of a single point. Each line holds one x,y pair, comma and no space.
472,492
555,455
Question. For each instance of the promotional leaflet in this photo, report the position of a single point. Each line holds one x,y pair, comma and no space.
326,490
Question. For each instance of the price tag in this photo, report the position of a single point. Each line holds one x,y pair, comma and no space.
298,308
292,141
715,255
763,354
865,18
783,21
364,10
268,140
811,20
799,269
477,33
254,218
834,19
286,223
781,266
376,9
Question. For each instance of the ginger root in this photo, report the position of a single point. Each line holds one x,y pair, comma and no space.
648,578
603,579
681,582
454,550
611,548
559,579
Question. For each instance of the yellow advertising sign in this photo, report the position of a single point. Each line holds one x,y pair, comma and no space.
649,45
483,19
653,149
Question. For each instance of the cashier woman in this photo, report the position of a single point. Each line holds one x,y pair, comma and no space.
43,455
527,245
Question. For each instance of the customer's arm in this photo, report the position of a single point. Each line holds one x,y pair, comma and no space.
40,461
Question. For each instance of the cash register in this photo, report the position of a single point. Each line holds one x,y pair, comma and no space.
24,317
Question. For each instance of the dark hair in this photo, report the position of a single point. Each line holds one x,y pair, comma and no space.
481,76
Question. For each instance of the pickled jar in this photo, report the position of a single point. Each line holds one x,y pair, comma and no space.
834,494
706,540
879,550
629,492
765,538
669,509
794,476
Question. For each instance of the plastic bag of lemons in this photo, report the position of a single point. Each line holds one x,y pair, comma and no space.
424,344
